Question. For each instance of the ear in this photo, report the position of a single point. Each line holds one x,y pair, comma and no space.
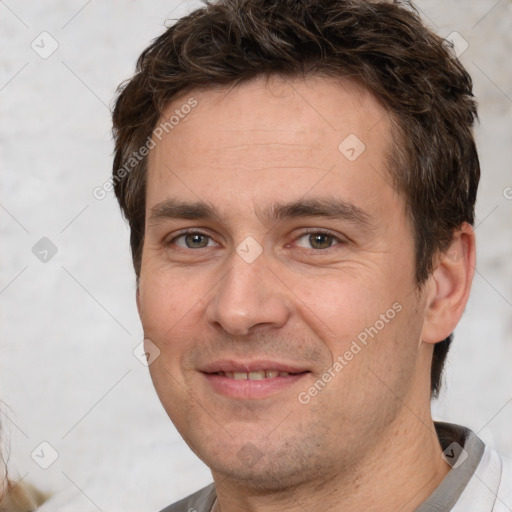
449,286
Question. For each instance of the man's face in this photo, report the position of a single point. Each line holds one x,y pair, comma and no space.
273,282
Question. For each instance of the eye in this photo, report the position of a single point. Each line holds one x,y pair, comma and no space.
193,240
317,240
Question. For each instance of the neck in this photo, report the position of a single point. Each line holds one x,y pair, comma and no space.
399,473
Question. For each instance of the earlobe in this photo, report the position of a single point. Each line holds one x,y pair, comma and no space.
449,286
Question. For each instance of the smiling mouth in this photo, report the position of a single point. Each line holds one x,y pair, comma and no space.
252,385
257,375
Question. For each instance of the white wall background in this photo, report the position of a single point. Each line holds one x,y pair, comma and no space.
68,326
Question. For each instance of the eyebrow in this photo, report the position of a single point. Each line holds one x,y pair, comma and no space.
326,207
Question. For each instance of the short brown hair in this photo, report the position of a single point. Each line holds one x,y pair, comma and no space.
382,44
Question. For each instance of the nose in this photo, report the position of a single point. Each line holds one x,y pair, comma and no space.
248,295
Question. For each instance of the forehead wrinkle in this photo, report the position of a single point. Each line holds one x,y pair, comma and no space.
268,144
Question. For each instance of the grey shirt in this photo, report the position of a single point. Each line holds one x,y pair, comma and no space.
457,442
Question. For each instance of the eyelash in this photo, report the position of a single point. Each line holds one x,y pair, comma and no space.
313,231
308,231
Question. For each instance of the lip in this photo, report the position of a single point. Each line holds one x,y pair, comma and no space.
251,389
230,365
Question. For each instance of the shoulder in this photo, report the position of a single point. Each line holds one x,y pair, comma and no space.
200,501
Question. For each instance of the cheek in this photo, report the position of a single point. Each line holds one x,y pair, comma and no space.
338,306
167,310
365,324
172,304
166,300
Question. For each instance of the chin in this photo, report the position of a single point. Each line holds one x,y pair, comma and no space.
266,478
279,468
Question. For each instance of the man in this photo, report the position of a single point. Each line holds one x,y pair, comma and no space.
300,179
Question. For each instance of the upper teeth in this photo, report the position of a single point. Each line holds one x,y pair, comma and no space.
260,375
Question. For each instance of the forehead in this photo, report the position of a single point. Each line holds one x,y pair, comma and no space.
271,140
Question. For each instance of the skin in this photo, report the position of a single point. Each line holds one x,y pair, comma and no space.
366,441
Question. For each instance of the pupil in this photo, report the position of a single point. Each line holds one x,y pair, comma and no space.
320,240
197,240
